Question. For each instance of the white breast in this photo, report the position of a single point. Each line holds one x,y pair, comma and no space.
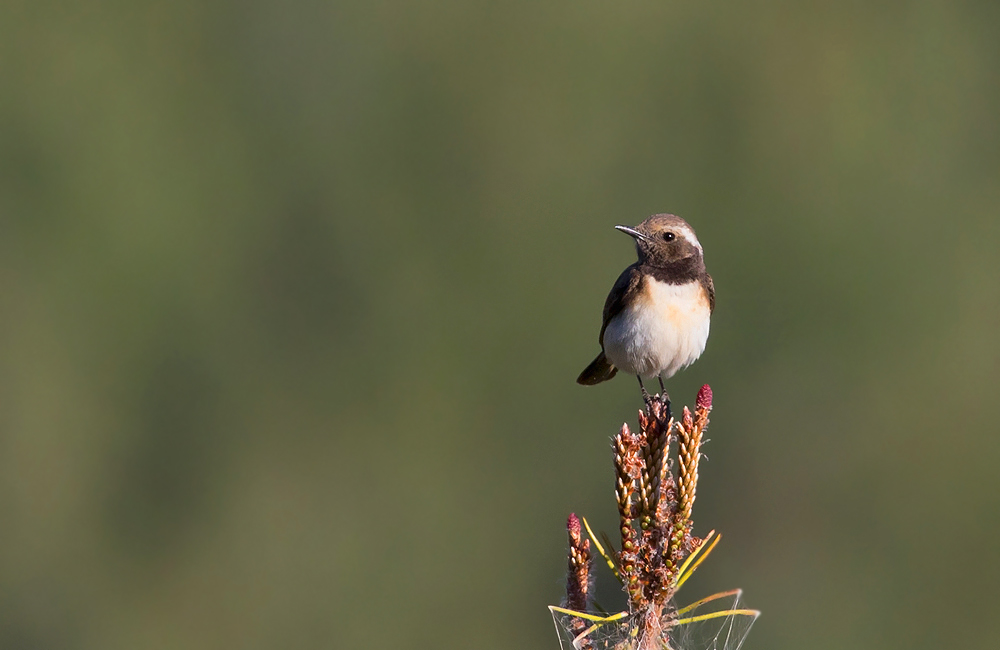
665,329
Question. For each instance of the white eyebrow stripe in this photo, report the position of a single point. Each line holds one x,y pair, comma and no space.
688,234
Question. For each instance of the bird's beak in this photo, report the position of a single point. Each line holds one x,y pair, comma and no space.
632,232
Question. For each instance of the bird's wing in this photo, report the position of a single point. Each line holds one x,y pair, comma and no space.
709,285
626,286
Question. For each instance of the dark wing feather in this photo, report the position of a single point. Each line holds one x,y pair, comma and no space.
706,281
626,286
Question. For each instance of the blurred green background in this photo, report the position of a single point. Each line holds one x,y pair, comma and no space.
294,295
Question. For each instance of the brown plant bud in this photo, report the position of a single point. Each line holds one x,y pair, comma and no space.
580,563
688,454
628,472
655,430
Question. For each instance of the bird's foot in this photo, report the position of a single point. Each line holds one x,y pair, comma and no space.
665,400
657,405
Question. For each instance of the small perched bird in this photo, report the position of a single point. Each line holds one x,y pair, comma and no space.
657,315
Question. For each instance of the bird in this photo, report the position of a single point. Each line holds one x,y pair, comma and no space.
657,316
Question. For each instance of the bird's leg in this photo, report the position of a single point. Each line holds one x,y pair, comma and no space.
664,397
645,395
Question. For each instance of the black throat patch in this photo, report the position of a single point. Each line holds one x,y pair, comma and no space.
680,272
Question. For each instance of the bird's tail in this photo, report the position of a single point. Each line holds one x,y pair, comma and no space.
600,369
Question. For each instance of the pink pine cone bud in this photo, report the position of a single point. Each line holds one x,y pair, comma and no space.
573,526
704,400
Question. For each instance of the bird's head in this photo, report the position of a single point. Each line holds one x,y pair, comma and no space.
664,239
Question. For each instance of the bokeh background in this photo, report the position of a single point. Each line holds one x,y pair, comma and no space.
293,297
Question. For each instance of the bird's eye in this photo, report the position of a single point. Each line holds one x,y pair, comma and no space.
669,236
